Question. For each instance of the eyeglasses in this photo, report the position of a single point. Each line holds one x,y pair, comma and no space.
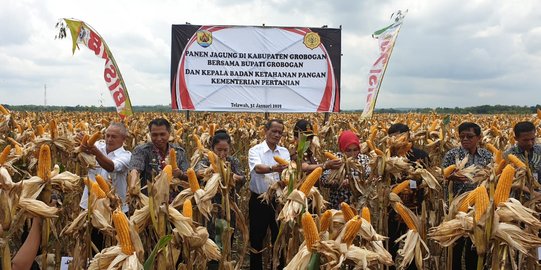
467,136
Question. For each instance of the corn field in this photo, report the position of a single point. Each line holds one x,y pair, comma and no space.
43,173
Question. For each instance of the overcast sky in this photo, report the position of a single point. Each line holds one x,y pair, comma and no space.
449,53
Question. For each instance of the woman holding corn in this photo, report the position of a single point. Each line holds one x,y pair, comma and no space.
349,145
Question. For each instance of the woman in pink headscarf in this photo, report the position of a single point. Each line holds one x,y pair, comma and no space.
350,147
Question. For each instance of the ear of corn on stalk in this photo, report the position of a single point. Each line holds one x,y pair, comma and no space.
96,190
310,180
352,228
309,228
347,211
103,184
481,202
44,162
365,213
3,110
503,188
401,187
399,208
120,222
325,221
449,170
468,201
173,158
330,156
192,180
213,158
4,155
168,170
187,210
95,137
197,141
516,161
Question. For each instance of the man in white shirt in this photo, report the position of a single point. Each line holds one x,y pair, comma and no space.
264,171
113,161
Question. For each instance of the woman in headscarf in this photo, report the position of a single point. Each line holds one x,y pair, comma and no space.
339,189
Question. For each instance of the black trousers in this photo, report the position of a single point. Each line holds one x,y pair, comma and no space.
395,230
262,216
465,245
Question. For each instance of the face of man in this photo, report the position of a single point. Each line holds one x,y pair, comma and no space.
468,139
274,133
159,136
526,140
114,138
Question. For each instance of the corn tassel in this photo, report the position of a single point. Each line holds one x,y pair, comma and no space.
481,202
121,224
280,160
468,201
187,210
168,170
449,170
325,221
352,228
516,161
103,184
365,213
4,155
346,211
330,156
311,236
44,162
213,159
310,180
173,159
503,188
401,187
3,110
95,137
192,180
399,208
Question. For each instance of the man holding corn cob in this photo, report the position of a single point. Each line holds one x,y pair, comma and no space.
150,158
264,171
112,161
470,135
526,149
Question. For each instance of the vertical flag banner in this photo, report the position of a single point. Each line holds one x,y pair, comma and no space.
255,69
82,33
386,38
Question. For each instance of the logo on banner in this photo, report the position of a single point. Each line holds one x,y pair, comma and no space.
204,38
312,40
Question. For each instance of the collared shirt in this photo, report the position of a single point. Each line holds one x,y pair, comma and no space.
121,158
149,161
262,154
339,193
482,157
534,158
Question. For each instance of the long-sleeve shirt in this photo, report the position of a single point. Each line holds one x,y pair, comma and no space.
482,157
534,158
262,154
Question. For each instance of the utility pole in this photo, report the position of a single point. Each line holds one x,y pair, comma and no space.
45,94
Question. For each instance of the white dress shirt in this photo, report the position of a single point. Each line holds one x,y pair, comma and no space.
121,159
262,154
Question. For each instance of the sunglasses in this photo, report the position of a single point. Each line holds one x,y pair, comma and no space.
467,136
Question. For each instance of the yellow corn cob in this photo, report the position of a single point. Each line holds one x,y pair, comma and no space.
330,156
192,179
352,228
104,122
187,210
53,129
44,162
212,129
433,125
40,130
121,224
325,221
311,236
84,140
280,160
365,213
197,141
370,145
103,184
4,155
315,128
347,211
173,159
3,110
18,150
516,161
400,187
373,132
379,152
213,159
496,152
449,170
503,188
95,137
481,202
538,113
310,180
399,208
168,170
19,128
96,190
70,126
500,167
468,201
